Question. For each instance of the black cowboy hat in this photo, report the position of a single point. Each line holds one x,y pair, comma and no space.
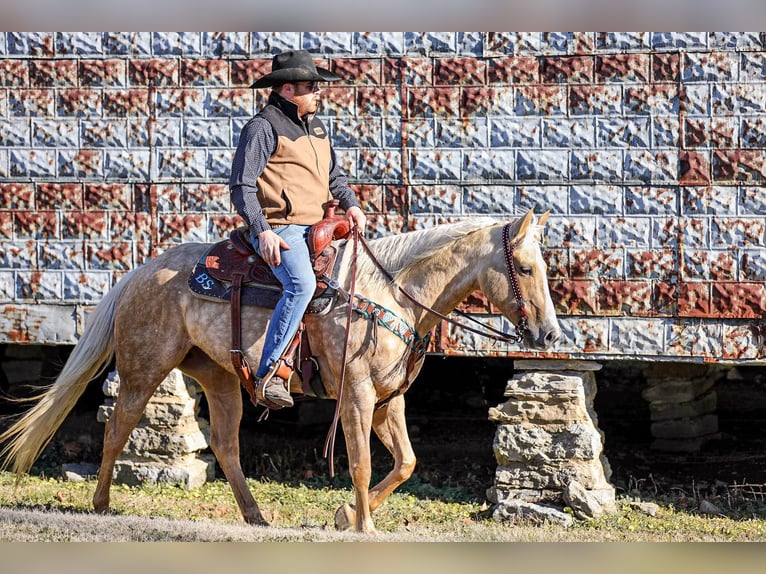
294,66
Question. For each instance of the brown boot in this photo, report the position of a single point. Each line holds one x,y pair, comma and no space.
271,391
275,392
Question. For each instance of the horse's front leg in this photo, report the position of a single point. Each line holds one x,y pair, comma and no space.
391,427
356,416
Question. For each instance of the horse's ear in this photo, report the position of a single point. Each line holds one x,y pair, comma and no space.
544,218
525,223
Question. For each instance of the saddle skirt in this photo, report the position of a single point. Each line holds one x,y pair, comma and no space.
213,274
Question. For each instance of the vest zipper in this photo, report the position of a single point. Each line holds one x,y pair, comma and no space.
311,143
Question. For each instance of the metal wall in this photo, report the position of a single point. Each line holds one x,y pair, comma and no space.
648,148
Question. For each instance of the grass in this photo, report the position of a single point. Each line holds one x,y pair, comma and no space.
49,509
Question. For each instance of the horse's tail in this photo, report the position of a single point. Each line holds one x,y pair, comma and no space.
28,436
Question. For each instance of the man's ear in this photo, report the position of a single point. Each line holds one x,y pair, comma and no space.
287,91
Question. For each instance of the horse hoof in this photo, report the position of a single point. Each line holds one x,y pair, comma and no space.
256,521
101,508
345,517
256,517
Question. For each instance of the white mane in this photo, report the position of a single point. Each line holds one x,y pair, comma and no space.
401,252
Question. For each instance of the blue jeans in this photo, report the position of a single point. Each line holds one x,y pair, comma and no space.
296,274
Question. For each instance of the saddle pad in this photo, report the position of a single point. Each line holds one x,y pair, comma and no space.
203,285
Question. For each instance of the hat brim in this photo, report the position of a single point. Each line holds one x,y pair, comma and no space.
289,75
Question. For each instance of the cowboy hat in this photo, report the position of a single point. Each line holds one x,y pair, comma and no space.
294,66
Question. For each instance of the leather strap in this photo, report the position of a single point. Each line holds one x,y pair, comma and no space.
329,444
238,359
513,277
307,364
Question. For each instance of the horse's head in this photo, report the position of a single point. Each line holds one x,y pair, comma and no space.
524,281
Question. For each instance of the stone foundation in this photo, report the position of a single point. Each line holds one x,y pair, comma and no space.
166,444
547,445
682,405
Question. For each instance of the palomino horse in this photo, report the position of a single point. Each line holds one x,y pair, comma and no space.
150,323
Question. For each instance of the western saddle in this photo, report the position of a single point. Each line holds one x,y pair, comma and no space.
235,261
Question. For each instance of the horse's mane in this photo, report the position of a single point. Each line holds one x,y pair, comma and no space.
398,253
404,251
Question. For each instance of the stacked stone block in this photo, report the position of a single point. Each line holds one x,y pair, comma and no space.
547,443
166,444
648,148
682,405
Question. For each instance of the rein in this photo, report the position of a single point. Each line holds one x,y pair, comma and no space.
488,330
329,443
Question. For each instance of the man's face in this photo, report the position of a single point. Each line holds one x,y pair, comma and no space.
305,95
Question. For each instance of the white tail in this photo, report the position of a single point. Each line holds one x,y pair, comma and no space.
26,438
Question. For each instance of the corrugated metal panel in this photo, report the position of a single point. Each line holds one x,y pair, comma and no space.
649,148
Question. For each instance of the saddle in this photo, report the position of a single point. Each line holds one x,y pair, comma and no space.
235,264
235,259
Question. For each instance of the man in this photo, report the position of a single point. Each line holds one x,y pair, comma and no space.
283,172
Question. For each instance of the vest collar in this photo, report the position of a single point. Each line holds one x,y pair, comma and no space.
288,108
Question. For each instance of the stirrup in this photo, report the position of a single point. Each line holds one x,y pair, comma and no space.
283,369
274,377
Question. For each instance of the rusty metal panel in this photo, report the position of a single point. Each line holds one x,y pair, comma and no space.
648,148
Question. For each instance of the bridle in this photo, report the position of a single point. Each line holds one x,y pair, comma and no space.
513,280
487,330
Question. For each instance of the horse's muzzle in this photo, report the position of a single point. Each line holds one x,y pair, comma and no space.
544,338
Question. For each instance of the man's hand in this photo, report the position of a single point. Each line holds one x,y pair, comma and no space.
270,245
357,218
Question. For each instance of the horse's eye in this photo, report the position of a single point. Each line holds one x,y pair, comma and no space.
525,270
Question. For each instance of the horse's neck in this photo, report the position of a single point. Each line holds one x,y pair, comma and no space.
443,279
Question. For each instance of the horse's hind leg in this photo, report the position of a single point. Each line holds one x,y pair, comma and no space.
135,392
224,400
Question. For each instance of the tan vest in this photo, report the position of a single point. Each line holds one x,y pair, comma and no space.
296,181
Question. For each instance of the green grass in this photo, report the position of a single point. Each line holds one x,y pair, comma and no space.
306,510
288,505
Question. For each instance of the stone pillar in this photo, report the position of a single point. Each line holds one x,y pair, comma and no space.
682,405
548,446
165,445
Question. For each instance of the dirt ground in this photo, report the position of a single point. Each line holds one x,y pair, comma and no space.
735,457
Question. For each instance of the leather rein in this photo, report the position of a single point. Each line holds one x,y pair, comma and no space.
488,330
